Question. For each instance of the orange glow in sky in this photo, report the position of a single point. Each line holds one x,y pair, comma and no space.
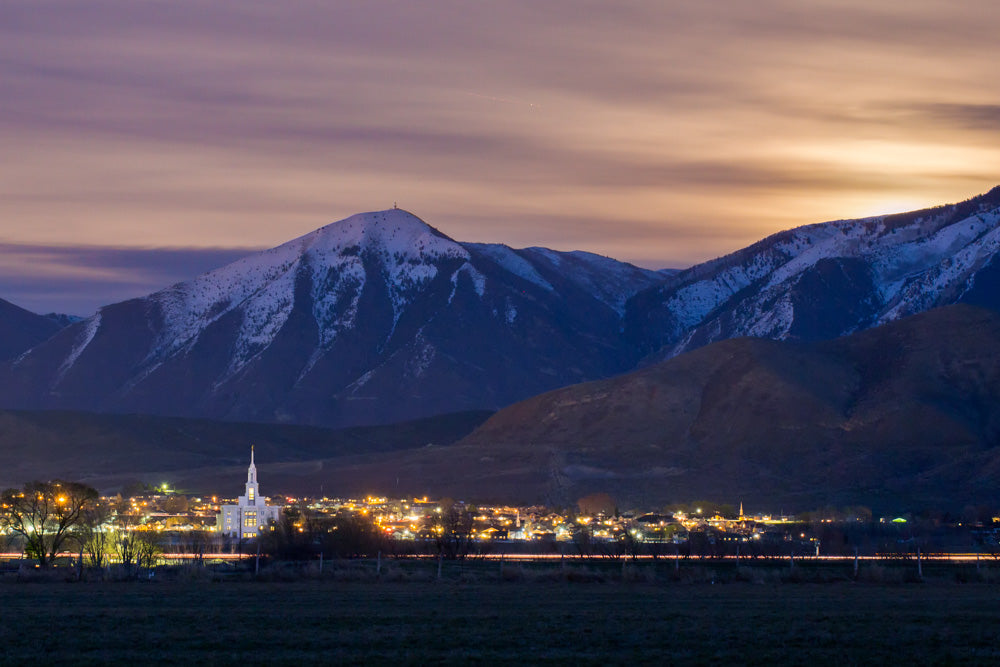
659,132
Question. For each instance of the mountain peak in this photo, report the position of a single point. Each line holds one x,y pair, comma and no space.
395,231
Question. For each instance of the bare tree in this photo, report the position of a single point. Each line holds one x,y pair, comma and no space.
94,536
198,543
45,514
136,548
453,529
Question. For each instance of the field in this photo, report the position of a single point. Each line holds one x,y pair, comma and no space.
535,621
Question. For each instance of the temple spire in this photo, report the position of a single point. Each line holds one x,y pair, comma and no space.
252,470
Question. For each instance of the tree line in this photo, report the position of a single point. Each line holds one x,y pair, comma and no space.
50,518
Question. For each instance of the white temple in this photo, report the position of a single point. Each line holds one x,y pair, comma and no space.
250,514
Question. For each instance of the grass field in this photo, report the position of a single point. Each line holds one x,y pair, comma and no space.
535,622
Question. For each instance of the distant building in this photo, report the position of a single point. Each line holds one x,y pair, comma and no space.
251,512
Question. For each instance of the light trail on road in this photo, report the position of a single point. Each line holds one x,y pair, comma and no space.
882,557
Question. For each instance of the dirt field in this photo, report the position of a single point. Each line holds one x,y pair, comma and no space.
450,622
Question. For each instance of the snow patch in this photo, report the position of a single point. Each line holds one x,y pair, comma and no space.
773,322
336,293
511,313
477,278
421,359
361,381
510,261
79,345
609,281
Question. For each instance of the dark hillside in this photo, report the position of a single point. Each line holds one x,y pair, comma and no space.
198,455
908,413
21,330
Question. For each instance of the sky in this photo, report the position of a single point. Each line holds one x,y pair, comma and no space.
146,141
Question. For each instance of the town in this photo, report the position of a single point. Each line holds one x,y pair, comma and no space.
293,560
159,524
146,525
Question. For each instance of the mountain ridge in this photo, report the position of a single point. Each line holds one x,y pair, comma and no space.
197,455
327,329
20,329
823,280
380,317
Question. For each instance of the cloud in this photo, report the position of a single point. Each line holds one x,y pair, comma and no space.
983,118
78,280
685,127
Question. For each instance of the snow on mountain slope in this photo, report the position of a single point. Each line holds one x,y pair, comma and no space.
375,318
380,317
86,335
262,286
609,281
823,280
510,260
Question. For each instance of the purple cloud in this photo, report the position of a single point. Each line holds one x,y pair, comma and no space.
78,280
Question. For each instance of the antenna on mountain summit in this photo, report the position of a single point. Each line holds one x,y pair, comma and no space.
394,205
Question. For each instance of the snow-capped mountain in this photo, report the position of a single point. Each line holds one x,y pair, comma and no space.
375,318
827,280
380,317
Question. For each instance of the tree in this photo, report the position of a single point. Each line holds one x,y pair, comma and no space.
198,543
596,503
350,536
453,528
582,538
136,548
94,537
293,536
176,505
45,514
